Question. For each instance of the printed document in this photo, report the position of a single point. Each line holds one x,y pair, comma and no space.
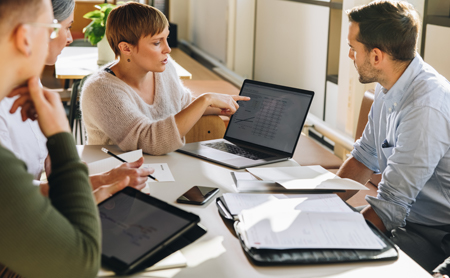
304,202
294,229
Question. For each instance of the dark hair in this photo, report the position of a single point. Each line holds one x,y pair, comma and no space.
392,27
132,21
14,12
62,9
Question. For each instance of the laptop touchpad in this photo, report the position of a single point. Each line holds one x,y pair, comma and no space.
218,155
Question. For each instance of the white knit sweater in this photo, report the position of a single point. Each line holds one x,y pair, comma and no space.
114,113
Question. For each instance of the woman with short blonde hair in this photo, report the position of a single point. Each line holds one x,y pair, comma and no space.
138,102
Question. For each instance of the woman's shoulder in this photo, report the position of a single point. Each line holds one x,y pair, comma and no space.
102,83
100,78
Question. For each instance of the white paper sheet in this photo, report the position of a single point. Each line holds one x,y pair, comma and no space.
292,229
162,172
304,202
329,184
291,173
238,202
305,178
244,176
107,164
175,260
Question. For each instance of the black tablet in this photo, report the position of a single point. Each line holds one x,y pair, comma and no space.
136,226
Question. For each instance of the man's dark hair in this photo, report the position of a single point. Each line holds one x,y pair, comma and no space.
14,12
392,27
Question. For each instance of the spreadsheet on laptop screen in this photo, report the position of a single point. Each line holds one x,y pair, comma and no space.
272,118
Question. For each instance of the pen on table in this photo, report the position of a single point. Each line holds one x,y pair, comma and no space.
113,155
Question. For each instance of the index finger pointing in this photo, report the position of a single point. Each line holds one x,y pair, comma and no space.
236,98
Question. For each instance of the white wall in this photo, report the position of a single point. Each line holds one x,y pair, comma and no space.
436,49
291,46
244,43
179,14
208,21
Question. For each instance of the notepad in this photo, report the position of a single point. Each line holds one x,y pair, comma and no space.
300,221
305,202
294,229
162,170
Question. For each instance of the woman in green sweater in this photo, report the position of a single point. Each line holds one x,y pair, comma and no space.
58,236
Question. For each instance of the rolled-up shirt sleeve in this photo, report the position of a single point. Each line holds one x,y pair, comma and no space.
423,138
364,149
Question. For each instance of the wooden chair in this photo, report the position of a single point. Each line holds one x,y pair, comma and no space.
212,126
372,184
199,87
366,104
207,128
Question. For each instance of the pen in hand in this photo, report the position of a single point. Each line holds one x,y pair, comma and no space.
113,155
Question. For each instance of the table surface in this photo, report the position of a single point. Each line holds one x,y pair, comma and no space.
77,62
218,253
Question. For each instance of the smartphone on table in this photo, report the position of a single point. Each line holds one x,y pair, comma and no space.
198,195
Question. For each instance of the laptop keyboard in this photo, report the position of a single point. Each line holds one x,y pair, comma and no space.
241,151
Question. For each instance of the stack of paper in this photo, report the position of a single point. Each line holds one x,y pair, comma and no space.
305,202
300,222
305,178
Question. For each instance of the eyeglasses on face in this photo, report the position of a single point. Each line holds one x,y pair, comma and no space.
55,27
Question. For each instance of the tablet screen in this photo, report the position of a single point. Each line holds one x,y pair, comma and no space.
132,227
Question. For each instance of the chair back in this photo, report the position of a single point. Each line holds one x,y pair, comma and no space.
74,110
207,128
366,104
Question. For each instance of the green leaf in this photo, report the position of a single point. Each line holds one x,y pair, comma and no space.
94,15
95,31
104,7
107,11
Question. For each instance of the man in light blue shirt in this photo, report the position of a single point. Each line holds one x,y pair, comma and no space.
407,137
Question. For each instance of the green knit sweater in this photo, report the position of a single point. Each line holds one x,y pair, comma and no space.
57,236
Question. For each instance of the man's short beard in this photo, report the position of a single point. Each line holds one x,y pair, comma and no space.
367,74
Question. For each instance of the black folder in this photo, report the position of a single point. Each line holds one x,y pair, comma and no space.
270,257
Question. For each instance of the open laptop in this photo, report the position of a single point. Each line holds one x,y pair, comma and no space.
264,129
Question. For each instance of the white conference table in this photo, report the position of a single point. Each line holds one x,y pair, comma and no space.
76,62
218,253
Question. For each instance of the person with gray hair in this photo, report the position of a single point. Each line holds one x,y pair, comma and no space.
27,142
62,9
59,235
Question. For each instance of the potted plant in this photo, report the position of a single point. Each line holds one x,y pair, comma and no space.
95,32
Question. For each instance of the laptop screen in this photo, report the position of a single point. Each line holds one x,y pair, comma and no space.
273,117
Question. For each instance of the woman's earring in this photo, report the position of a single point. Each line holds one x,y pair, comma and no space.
129,60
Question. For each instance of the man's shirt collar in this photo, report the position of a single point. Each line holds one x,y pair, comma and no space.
394,96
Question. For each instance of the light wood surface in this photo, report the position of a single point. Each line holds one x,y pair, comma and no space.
219,254
198,71
77,62
207,128
199,87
